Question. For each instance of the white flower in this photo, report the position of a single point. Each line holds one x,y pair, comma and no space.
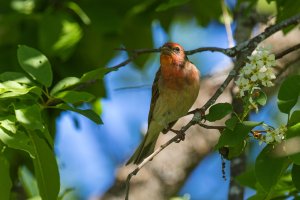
248,69
263,69
276,135
278,138
254,77
269,137
257,72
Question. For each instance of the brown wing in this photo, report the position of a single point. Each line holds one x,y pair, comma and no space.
155,94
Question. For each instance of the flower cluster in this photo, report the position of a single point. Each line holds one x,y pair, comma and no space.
257,72
275,135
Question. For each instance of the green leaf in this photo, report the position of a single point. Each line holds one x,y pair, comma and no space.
65,194
288,94
260,98
238,135
15,76
29,116
170,4
296,176
11,86
64,84
295,118
5,181
292,141
59,34
83,16
205,11
236,150
87,113
231,123
28,182
218,111
18,141
269,168
94,75
45,167
35,64
8,123
13,89
247,178
74,96
286,9
258,196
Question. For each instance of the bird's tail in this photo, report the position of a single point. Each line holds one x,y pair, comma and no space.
145,148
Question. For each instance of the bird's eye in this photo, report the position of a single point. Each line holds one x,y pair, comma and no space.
176,49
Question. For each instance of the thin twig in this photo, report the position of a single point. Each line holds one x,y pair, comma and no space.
285,68
220,128
231,52
287,51
135,54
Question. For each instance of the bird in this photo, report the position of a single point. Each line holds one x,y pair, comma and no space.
174,91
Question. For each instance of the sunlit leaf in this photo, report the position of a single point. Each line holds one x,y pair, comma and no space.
25,7
9,123
64,84
29,116
13,89
18,141
59,34
28,182
35,64
15,76
83,16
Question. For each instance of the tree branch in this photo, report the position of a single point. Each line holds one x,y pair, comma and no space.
242,51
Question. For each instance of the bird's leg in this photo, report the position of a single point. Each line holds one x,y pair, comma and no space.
180,134
170,125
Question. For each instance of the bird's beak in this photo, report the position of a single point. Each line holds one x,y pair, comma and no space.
166,50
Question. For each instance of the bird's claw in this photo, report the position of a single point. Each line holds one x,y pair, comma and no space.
202,113
180,135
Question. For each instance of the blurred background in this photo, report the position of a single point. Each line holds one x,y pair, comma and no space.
79,36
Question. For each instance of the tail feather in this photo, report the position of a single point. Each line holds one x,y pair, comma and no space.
145,148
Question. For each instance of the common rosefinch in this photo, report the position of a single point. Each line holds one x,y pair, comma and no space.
175,89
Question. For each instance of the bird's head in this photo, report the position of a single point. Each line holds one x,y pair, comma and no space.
172,53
